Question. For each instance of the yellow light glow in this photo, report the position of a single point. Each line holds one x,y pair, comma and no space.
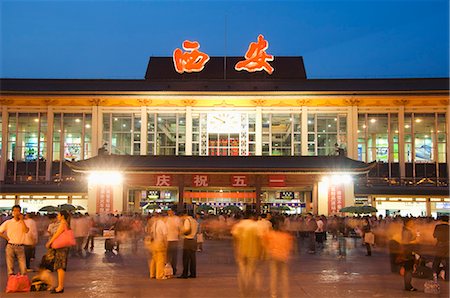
337,179
105,178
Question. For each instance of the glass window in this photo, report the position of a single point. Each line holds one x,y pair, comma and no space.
441,136
27,146
121,132
195,134
167,134
424,127
325,133
408,137
279,132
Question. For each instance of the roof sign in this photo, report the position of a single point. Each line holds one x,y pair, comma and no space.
256,58
192,60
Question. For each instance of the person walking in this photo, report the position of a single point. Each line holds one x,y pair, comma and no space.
16,230
93,231
31,239
189,231
279,246
409,239
441,234
249,253
368,236
61,254
310,229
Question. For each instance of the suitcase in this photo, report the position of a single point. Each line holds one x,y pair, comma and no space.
109,244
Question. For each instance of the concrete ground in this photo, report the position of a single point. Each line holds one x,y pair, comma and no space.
319,275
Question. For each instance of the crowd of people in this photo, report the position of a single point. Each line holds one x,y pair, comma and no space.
268,239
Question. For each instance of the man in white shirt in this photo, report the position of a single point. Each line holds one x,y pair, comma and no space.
173,223
31,239
15,230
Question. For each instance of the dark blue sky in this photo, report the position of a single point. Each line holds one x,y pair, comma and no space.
114,39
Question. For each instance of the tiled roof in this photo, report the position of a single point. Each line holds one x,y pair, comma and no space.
253,164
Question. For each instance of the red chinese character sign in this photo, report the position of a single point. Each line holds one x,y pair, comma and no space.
104,199
239,180
192,60
336,197
256,58
277,180
163,180
200,180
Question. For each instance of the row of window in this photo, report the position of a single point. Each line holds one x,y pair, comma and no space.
424,135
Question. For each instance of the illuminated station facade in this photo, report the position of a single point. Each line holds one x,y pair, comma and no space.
227,132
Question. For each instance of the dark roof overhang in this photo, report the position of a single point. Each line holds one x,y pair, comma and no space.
223,164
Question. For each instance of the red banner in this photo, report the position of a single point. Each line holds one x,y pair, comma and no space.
104,199
336,198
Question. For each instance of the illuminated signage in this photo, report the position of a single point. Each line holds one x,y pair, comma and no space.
286,195
256,58
192,60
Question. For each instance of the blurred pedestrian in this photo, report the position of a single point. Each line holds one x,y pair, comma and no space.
93,231
279,246
409,239
310,229
158,247
31,240
441,233
249,253
16,230
173,223
200,239
368,236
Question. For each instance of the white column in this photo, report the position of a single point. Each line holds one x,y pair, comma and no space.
352,132
96,138
304,131
4,153
144,130
188,130
258,132
49,157
401,140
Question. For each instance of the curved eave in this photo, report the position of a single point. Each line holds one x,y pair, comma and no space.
228,170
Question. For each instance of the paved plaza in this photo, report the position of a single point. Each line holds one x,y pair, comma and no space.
319,275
